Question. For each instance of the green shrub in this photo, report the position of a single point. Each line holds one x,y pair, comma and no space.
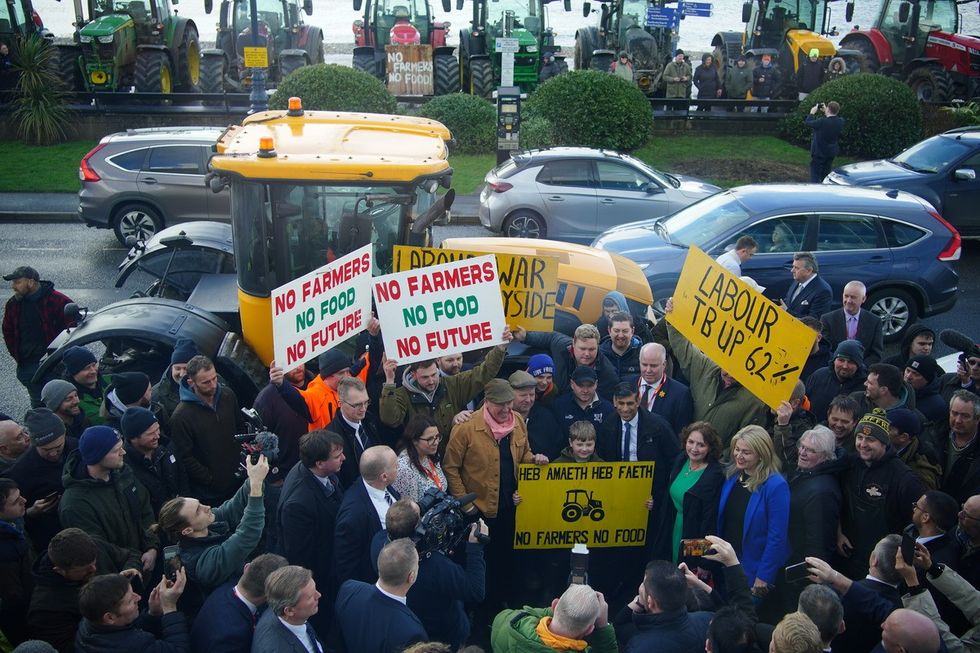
330,87
40,108
882,115
471,119
593,109
536,132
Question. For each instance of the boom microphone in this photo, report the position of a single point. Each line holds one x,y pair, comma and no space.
467,498
960,342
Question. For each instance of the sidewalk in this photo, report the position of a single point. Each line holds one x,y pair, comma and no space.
62,207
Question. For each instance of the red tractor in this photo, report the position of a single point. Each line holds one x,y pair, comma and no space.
917,41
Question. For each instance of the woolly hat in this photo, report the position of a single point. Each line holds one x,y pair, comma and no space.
498,391
876,425
851,350
926,366
135,421
54,392
77,359
814,52
43,426
130,386
35,646
333,361
678,51
905,420
184,350
96,442
521,379
540,364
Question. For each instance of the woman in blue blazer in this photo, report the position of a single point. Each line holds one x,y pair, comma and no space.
753,513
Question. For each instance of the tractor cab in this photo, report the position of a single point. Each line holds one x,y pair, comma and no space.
310,187
403,32
18,20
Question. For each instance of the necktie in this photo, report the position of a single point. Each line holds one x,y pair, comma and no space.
851,327
626,441
796,292
646,395
358,439
312,635
388,498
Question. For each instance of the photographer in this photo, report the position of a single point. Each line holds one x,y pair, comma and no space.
443,587
823,145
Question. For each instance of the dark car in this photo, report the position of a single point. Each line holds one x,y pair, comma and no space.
892,241
942,170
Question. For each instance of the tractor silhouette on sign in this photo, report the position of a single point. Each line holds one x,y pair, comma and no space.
579,503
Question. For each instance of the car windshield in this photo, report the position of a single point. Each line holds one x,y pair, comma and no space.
933,154
704,221
662,177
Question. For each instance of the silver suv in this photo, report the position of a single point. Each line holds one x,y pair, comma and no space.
139,181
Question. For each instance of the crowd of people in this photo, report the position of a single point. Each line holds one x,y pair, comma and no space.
848,519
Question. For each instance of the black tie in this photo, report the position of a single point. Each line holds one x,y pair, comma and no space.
626,442
388,498
646,395
312,635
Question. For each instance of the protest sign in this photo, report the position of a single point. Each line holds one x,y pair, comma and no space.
528,284
744,333
596,504
440,310
316,311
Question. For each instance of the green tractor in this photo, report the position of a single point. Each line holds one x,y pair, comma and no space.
138,43
291,43
524,20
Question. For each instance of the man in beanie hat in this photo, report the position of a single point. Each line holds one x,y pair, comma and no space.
483,457
103,498
581,402
32,318
166,392
879,490
923,374
127,389
844,375
766,81
82,370
61,398
319,403
542,368
920,457
677,76
203,429
738,80
149,455
38,473
811,74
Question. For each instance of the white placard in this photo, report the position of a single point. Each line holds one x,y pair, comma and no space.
507,69
503,44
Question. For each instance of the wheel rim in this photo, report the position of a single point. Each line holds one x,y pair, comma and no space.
166,84
193,63
524,226
138,224
894,314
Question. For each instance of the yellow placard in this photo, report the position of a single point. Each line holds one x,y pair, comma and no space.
528,284
743,332
256,57
596,504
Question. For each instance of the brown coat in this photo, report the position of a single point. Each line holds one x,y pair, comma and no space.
472,462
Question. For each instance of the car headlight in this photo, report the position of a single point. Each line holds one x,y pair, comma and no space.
532,48
107,39
83,38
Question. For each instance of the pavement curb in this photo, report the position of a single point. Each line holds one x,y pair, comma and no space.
36,216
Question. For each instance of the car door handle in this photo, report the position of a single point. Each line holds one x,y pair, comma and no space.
149,180
556,198
607,200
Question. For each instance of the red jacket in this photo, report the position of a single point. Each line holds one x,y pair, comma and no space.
52,307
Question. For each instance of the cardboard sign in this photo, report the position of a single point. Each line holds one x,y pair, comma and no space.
316,311
596,504
410,70
744,333
528,284
440,310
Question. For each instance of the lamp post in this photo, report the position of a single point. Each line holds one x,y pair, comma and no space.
258,99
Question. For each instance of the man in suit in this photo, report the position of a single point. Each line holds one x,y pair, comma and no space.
823,145
934,524
355,425
227,620
851,322
808,294
284,627
362,513
660,394
308,507
631,435
376,619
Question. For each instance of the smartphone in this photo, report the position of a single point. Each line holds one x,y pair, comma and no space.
796,573
136,582
908,549
695,548
53,495
171,562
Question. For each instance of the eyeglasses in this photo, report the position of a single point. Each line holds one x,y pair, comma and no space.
430,440
968,515
359,405
915,506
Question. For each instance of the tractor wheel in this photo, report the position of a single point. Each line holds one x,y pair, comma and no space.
601,62
214,72
571,513
856,64
366,63
290,63
318,53
446,69
68,70
597,514
931,84
153,73
189,61
583,50
481,78
728,47
863,45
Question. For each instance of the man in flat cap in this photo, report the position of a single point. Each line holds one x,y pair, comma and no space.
33,317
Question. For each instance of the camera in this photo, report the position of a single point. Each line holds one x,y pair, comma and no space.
257,440
442,525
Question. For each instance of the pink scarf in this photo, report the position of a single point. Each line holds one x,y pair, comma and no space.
500,430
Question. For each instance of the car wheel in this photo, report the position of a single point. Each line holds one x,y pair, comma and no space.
897,311
137,220
525,224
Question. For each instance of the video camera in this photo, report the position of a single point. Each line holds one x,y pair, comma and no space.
257,440
443,525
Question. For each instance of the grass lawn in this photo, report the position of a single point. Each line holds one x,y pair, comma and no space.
723,160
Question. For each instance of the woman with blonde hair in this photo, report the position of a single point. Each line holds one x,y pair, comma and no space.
753,513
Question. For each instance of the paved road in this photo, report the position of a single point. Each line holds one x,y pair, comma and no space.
82,263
